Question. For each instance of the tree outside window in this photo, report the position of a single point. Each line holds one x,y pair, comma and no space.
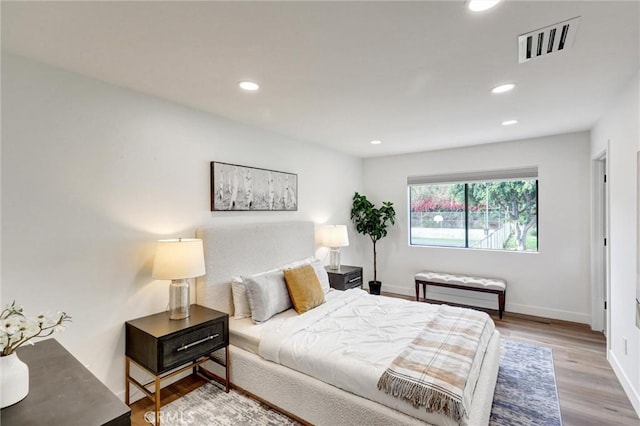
494,215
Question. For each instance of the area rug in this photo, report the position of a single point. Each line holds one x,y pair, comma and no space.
210,406
525,395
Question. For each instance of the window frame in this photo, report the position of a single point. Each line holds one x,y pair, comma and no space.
467,179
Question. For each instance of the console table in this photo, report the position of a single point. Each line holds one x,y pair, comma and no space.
62,392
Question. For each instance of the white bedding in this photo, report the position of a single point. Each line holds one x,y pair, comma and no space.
348,342
245,334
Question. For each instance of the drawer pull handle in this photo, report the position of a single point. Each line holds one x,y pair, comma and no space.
354,279
190,345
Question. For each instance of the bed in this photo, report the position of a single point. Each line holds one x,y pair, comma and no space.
247,249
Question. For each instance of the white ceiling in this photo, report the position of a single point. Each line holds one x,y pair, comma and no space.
416,75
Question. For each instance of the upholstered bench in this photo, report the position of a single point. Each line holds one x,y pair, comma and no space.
464,282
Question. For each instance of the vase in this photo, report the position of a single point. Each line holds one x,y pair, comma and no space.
14,380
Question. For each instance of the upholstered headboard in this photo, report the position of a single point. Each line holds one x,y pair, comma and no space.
243,249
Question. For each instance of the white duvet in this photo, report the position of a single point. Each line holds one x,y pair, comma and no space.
349,341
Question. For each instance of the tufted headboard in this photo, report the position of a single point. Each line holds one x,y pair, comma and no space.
243,249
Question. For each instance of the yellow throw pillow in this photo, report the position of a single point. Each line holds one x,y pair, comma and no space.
304,288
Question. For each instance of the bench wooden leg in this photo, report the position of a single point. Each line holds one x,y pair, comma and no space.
417,292
501,297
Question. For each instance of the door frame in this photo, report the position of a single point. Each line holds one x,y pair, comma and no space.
600,253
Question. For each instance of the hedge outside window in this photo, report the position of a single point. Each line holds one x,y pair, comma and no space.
474,211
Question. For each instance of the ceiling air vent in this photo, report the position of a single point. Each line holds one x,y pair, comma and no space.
552,39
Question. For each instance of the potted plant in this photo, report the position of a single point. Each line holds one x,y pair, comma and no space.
373,222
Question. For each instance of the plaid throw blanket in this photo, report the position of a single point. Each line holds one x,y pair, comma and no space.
440,367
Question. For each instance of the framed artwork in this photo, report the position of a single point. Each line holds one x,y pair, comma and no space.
242,188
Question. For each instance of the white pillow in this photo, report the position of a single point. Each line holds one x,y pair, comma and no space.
323,277
297,263
267,294
241,305
241,308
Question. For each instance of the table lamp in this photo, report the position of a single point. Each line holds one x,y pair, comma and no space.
178,260
334,237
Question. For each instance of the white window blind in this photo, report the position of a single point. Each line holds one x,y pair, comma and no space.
481,176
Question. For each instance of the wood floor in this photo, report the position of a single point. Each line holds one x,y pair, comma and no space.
589,391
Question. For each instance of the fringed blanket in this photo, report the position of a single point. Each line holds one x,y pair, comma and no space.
440,368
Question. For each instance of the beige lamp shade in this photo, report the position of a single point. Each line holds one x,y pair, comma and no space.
178,259
335,236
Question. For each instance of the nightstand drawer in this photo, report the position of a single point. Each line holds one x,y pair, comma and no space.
177,350
353,280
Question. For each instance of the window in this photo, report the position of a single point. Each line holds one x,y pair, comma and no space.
494,210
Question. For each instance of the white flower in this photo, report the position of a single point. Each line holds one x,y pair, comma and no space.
16,329
11,325
31,327
46,320
17,308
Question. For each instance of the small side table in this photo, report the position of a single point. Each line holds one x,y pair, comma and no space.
345,278
159,345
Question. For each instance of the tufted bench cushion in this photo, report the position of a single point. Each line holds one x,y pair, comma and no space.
465,282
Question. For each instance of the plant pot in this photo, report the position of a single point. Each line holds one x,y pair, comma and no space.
14,380
374,287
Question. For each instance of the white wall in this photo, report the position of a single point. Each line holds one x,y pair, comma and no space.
93,174
553,283
620,129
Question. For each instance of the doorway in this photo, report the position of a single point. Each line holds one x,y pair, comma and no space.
600,248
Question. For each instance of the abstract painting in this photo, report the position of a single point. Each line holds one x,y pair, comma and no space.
241,188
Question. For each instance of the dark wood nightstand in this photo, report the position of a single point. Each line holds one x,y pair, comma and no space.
345,278
159,345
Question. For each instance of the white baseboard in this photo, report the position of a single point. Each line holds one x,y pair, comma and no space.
510,307
632,393
550,313
398,290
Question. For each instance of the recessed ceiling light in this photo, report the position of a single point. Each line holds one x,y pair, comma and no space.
509,122
503,88
249,86
376,142
480,5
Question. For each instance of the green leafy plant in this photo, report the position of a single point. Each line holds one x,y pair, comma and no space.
372,221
